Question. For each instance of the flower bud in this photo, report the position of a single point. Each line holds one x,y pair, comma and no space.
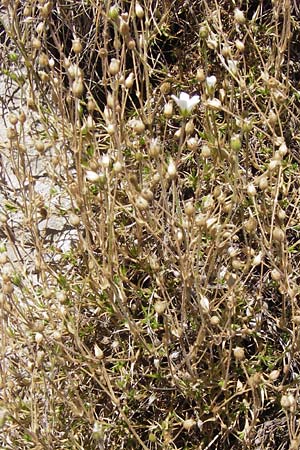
168,110
139,11
235,143
76,46
172,171
204,303
212,43
98,352
111,129
274,375
211,83
113,12
38,338
203,31
232,66
129,81
214,104
117,167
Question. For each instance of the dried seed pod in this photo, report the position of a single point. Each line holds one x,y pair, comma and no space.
205,151
154,148
251,190
189,209
276,275
274,375
77,46
288,401
189,127
214,320
200,75
147,194
239,16
278,234
263,183
124,27
160,306
43,60
36,43
141,203
74,220
138,126
239,353
165,88
114,66
77,88
39,146
188,424
130,44
192,144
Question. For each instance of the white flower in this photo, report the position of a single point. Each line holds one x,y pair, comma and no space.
232,66
92,176
185,102
211,81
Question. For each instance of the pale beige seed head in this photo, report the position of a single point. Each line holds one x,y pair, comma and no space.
239,353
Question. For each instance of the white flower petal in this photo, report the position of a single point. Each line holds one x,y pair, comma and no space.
184,96
211,81
176,99
185,102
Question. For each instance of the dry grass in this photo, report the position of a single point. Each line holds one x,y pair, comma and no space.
149,259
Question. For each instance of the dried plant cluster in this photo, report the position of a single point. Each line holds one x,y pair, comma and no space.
149,230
